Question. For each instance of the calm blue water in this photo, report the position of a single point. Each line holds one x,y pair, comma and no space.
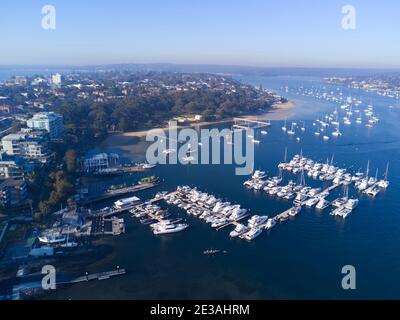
299,259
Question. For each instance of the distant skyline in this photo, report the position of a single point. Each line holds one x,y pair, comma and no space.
262,33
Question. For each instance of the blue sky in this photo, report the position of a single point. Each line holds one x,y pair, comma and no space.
232,32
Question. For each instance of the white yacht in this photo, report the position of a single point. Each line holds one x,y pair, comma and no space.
300,198
219,222
239,229
148,166
258,175
322,204
312,202
256,220
126,202
252,234
237,213
52,238
270,224
295,211
168,227
351,204
313,192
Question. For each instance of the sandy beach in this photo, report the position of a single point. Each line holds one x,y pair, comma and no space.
278,112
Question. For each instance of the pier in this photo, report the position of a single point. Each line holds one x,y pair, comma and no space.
245,124
32,288
284,215
117,171
97,276
119,192
234,223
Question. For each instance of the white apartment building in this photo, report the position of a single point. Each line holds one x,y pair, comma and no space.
49,121
26,146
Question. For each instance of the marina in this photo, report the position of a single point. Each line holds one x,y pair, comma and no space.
296,233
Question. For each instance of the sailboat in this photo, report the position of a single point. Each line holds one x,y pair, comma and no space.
337,133
363,183
283,164
291,131
284,128
317,133
385,182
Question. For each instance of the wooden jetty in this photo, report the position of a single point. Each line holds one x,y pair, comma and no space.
234,222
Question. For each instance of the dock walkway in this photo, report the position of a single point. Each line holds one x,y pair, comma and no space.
119,192
97,276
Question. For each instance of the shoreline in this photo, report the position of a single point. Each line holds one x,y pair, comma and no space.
280,111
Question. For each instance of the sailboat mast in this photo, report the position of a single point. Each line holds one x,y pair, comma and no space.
387,171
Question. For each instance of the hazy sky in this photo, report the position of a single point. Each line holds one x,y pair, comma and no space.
233,32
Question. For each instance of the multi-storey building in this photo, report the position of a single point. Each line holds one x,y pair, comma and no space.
48,121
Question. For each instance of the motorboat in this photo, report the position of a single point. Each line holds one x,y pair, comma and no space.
270,224
219,222
258,175
300,198
239,229
294,211
148,166
52,239
256,220
126,202
252,234
237,214
168,227
312,202
322,204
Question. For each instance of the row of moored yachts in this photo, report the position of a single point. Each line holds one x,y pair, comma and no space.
156,218
218,213
307,196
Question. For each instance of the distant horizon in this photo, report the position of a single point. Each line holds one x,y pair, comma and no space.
66,65
259,34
